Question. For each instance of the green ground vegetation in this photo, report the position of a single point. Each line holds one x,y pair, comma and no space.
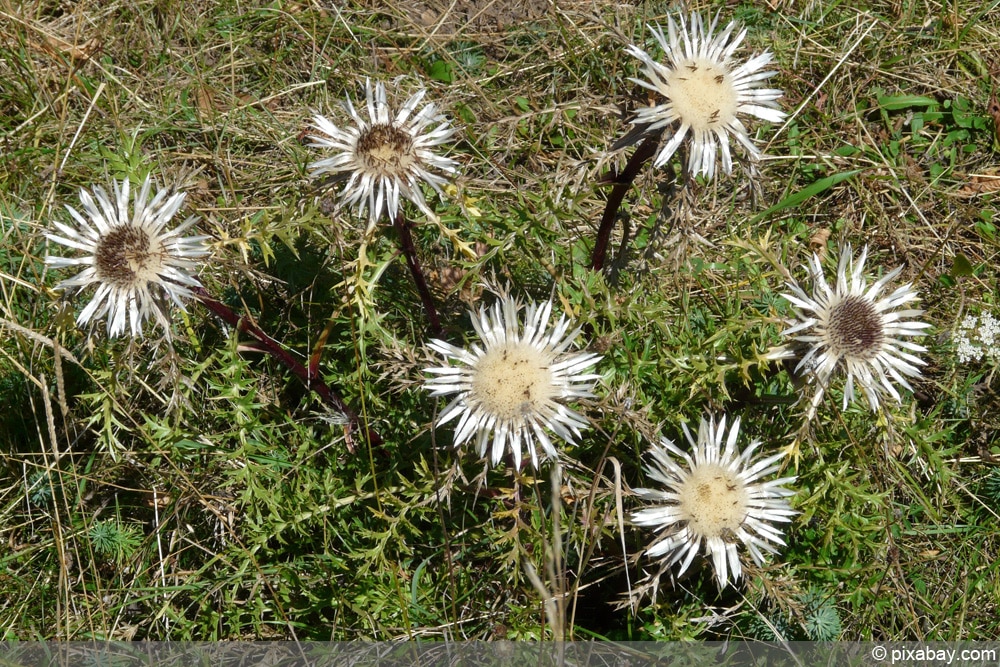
195,490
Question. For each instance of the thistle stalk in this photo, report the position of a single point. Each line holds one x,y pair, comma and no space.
622,183
403,226
312,381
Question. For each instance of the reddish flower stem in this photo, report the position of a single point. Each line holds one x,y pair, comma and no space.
403,227
623,181
311,380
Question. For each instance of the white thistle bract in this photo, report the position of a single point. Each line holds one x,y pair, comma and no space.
705,93
714,501
131,258
383,157
853,328
511,387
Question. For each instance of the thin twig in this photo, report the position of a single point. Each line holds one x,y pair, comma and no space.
311,380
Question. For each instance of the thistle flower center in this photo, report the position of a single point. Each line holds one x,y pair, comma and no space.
512,381
714,501
386,149
125,255
702,93
855,329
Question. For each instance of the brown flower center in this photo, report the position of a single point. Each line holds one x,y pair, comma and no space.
855,329
386,150
125,256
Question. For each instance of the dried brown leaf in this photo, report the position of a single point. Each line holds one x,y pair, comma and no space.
980,184
76,52
817,242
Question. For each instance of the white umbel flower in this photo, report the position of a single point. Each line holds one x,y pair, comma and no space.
978,337
854,328
511,388
131,259
383,158
706,91
714,501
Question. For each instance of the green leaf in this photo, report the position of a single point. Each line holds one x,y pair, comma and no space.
185,443
967,119
467,115
441,71
960,266
805,193
897,102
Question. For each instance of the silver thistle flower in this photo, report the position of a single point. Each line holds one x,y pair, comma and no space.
705,93
714,501
134,262
854,328
384,157
511,388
